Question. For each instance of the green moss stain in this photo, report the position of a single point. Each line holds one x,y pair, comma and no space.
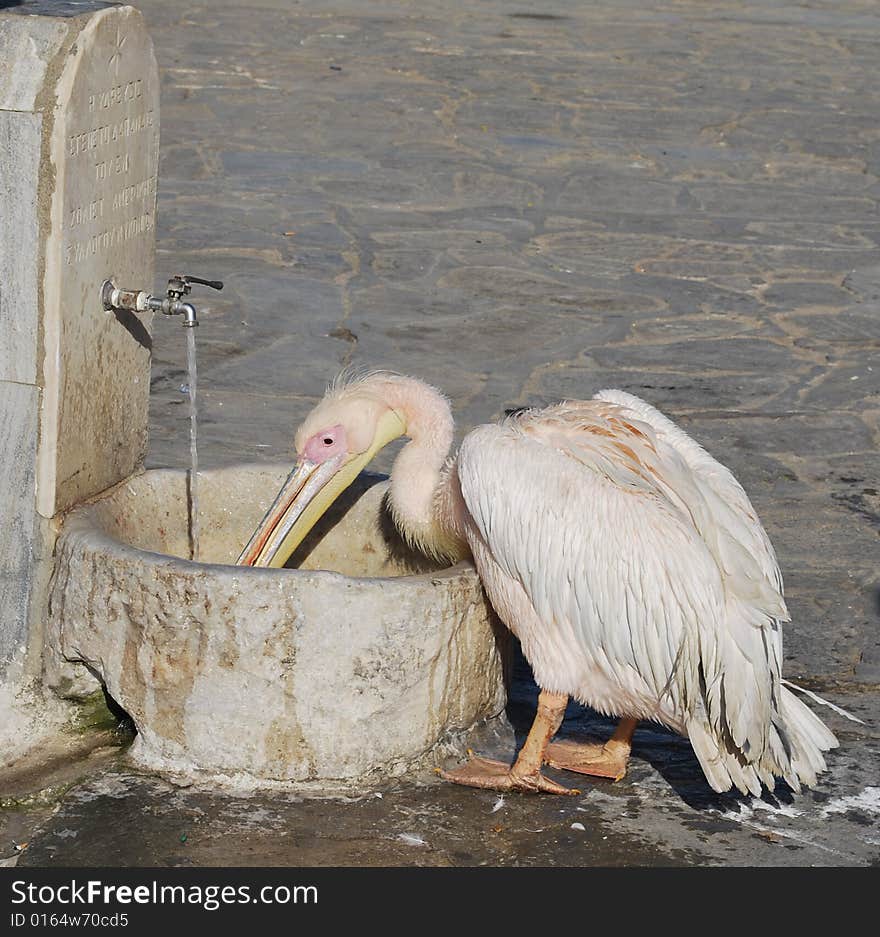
98,713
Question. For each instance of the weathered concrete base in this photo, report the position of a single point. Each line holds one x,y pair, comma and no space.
255,676
29,717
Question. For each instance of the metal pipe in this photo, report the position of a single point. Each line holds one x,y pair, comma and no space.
113,297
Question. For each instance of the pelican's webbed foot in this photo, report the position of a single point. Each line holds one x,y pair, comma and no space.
594,760
525,775
600,761
498,776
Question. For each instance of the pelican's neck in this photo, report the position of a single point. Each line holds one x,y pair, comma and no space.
421,496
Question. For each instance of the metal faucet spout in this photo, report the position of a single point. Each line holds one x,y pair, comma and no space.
190,320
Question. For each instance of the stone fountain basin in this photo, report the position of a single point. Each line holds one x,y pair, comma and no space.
357,666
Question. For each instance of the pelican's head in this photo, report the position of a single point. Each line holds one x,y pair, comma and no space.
333,444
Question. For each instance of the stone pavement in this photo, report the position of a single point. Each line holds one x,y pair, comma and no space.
678,199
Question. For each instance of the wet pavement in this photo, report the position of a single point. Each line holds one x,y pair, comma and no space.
679,200
661,814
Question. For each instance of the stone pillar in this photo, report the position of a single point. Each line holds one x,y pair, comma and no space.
79,151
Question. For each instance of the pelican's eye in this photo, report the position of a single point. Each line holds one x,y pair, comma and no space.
326,444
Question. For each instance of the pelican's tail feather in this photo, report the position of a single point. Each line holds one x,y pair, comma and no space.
808,737
796,741
722,769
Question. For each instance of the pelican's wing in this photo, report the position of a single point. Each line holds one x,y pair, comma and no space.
722,509
614,570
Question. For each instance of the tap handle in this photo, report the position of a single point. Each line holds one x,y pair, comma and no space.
214,284
180,285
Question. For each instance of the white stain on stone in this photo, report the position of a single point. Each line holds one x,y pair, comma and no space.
867,801
776,810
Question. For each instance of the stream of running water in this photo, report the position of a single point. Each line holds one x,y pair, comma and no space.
193,445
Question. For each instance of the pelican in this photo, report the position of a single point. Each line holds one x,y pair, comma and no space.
628,562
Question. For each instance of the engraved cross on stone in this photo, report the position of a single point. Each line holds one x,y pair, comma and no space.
116,57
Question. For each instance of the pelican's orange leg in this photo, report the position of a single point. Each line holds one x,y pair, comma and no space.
525,775
601,761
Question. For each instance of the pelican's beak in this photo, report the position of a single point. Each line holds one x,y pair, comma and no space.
309,491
